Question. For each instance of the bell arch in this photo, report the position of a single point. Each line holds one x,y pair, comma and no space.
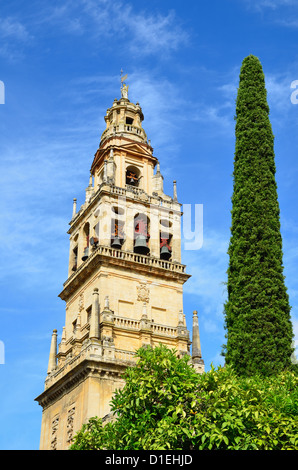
141,233
132,176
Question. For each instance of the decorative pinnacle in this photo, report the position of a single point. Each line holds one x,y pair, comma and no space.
175,190
196,344
94,322
74,208
53,353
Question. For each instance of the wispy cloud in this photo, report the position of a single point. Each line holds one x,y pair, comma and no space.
13,36
155,33
11,28
144,32
279,12
140,32
271,4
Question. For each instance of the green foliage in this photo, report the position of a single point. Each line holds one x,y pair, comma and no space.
257,313
166,405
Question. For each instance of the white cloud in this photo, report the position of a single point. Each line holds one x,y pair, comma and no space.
13,29
138,32
13,36
154,33
279,12
272,4
143,33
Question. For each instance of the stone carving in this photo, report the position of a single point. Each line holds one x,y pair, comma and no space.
143,293
124,91
81,302
55,424
107,341
70,421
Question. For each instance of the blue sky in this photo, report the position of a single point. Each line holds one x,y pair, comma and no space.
60,63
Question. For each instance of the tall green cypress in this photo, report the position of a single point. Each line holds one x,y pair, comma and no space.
257,311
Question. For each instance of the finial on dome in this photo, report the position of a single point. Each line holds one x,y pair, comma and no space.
124,87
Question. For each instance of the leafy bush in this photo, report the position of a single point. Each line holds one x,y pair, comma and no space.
165,404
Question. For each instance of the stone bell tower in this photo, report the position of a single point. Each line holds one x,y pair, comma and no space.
125,279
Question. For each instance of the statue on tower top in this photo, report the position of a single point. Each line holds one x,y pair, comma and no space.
124,87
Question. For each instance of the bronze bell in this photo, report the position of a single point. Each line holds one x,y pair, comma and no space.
116,243
141,245
93,241
165,252
86,254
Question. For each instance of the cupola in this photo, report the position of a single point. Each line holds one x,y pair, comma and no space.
124,118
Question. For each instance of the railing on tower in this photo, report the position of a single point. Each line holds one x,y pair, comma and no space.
130,257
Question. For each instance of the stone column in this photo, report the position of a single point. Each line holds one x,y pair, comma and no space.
154,231
176,238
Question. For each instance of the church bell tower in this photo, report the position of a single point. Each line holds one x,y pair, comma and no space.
125,279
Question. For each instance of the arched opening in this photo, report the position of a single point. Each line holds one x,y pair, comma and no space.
133,176
74,256
86,235
141,234
117,233
165,239
165,246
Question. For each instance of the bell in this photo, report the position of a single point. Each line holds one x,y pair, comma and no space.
86,253
131,181
93,241
141,245
165,253
116,243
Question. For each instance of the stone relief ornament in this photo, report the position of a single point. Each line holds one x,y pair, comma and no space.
143,293
55,424
81,302
70,421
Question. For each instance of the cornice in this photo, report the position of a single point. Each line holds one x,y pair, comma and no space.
104,256
88,367
137,195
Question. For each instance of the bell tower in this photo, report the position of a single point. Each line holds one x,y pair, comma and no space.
125,279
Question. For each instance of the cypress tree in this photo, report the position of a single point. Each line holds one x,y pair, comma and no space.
257,311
